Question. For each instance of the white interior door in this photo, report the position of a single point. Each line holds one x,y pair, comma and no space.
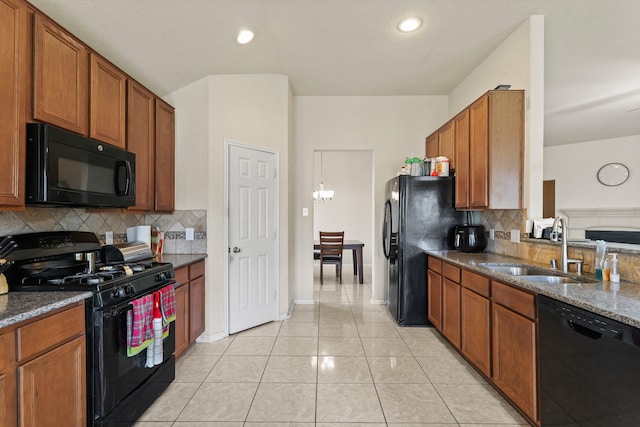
252,237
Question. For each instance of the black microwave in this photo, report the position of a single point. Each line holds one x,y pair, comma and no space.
67,169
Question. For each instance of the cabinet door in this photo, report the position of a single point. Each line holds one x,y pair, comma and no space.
182,319
165,165
451,311
514,358
431,145
141,141
12,93
475,324
8,404
52,387
61,77
479,153
108,102
446,142
434,288
461,122
196,309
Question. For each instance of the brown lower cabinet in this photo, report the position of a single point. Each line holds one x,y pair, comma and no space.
514,346
496,324
190,305
475,325
43,371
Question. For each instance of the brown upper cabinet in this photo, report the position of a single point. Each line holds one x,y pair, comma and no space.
461,124
432,147
165,157
141,141
108,102
496,145
61,77
442,143
487,142
13,57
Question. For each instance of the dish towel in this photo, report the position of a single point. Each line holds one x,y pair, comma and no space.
140,325
168,308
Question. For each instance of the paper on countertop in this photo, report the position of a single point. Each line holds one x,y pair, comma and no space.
539,224
140,233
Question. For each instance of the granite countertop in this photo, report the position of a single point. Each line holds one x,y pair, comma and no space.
19,306
619,303
180,260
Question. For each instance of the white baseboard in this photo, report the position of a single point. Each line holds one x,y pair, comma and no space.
211,337
305,301
378,301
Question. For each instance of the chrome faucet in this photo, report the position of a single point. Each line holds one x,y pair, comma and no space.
565,261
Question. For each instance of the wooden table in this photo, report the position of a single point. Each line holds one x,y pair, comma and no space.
356,247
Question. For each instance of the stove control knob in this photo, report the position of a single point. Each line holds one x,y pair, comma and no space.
162,277
118,293
130,289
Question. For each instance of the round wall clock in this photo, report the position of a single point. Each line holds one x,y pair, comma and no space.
613,174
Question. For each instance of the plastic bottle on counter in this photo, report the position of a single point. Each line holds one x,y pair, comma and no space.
606,270
615,272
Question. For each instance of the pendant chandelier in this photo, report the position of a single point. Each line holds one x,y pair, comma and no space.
322,195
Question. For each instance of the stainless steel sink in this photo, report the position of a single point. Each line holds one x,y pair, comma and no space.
551,280
515,269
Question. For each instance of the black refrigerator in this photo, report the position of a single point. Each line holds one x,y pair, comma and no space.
419,214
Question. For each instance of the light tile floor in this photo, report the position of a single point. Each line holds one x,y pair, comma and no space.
342,360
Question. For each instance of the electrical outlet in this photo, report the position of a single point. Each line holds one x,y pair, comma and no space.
305,211
492,234
515,236
108,237
189,233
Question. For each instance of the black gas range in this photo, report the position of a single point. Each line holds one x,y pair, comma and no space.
119,387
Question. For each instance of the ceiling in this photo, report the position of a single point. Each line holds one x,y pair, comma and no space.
352,47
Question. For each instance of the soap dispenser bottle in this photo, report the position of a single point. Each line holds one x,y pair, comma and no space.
615,273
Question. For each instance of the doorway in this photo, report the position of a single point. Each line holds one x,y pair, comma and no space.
349,173
252,236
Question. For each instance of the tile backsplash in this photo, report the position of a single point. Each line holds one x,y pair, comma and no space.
100,221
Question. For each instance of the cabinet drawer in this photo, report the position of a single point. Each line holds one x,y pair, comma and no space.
451,272
515,299
196,270
49,332
435,264
182,275
475,282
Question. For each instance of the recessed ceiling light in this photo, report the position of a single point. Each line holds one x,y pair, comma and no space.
409,24
245,36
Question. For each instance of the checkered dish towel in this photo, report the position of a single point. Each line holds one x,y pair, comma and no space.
140,325
168,308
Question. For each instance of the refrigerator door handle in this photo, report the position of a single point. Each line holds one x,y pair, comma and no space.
387,230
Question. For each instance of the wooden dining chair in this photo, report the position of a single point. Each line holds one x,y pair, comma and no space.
331,245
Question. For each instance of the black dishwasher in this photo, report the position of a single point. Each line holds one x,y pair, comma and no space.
589,368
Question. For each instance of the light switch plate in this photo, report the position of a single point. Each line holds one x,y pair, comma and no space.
515,236
189,233
492,234
305,211
108,237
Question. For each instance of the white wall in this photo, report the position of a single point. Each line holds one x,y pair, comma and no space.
574,168
349,173
252,109
518,61
391,127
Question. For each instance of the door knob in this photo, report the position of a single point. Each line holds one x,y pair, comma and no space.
236,249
